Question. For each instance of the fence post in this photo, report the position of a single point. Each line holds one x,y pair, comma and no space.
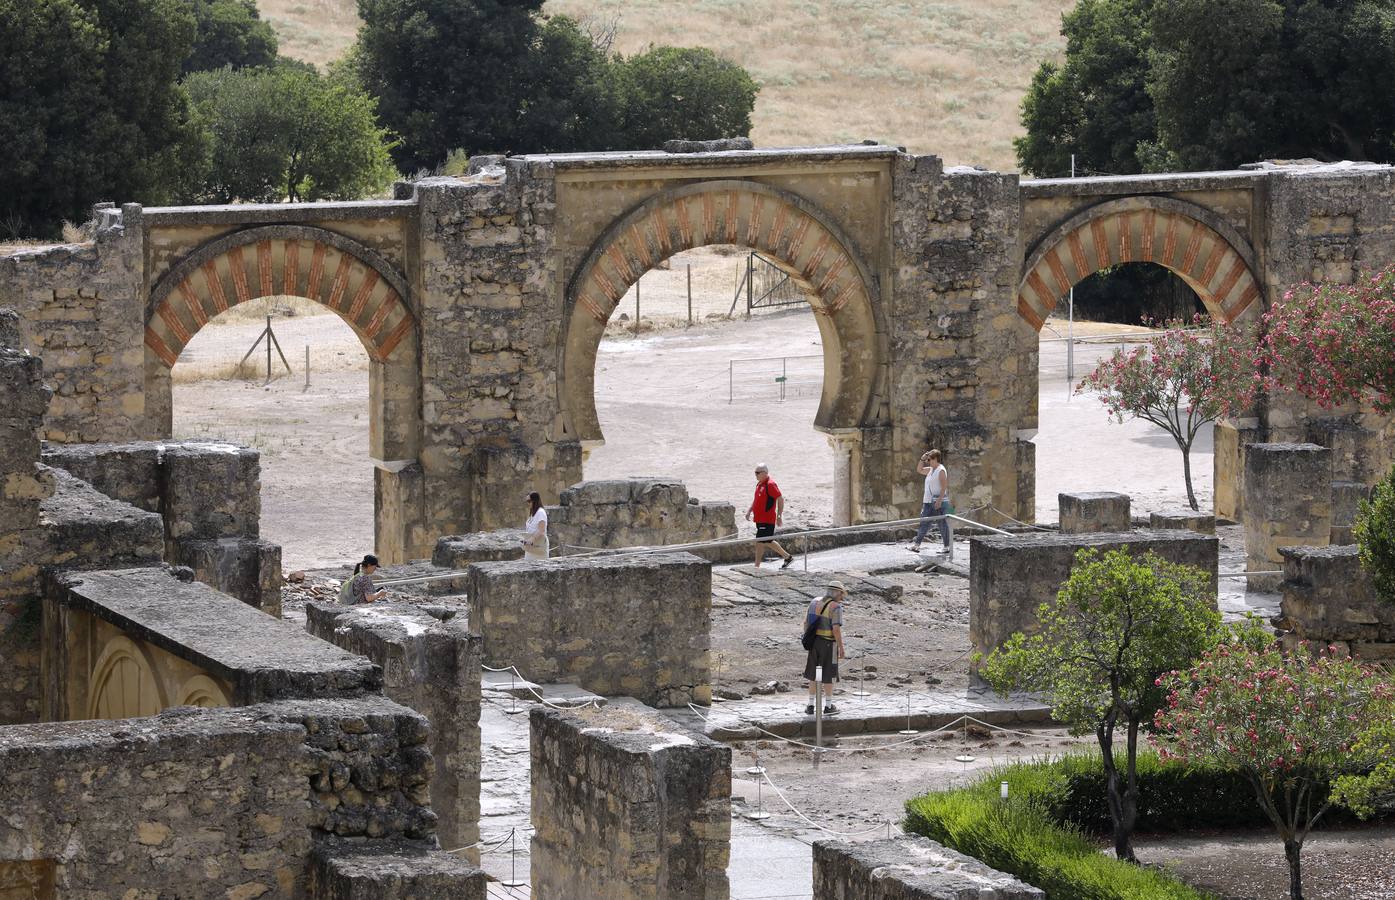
690,294
307,367
637,280
731,381
750,282
268,349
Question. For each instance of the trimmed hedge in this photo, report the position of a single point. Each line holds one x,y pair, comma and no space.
1018,837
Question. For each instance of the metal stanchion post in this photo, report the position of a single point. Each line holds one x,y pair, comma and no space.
760,812
964,755
908,729
757,769
861,673
513,861
818,712
513,697
804,550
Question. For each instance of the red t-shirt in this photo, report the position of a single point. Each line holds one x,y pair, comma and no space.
763,508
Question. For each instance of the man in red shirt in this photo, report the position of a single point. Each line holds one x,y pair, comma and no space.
768,509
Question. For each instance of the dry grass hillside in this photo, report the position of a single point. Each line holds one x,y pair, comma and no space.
938,76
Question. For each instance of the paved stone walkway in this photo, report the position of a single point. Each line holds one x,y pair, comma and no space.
771,585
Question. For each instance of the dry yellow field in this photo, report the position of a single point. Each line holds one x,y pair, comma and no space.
936,77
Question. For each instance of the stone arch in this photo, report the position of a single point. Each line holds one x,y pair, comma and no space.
123,683
200,690
781,225
1192,242
297,260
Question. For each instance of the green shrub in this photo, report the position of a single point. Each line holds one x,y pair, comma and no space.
1375,536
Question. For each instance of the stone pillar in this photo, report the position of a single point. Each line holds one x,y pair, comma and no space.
627,805
843,444
1097,511
909,868
1346,503
1231,437
1287,502
23,486
1329,599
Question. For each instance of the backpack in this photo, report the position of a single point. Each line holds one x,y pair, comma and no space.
346,590
811,629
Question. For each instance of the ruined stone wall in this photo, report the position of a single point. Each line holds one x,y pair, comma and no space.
908,868
212,802
1010,577
432,666
1288,503
964,363
490,313
82,309
627,805
636,512
1329,599
630,626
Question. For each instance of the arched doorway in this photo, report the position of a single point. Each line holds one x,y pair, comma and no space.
795,236
1078,448
344,276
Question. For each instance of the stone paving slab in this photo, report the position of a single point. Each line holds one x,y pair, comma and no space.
771,585
882,713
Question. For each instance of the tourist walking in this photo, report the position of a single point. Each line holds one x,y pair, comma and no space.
359,586
825,617
768,510
535,544
934,503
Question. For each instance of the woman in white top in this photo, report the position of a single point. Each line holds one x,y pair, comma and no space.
935,502
535,544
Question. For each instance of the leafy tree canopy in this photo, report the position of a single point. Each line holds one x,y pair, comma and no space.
229,33
684,93
1207,84
89,96
286,133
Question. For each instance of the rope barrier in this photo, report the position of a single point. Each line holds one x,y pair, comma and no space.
884,823
527,686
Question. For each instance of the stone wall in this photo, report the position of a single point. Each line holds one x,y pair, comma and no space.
177,643
909,868
1288,503
384,870
212,802
1346,504
208,494
635,626
635,512
82,308
1010,577
627,805
432,666
1329,599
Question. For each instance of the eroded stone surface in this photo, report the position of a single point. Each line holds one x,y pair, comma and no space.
909,868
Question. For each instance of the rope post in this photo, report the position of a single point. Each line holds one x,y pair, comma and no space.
804,551
690,294
307,367
513,697
908,729
818,712
760,812
757,769
964,755
862,673
513,861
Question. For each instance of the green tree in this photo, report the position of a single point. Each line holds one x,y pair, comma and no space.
1375,536
90,106
1095,104
574,99
1239,80
229,33
1291,723
447,73
287,133
1117,625
684,93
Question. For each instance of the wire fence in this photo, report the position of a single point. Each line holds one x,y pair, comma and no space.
775,378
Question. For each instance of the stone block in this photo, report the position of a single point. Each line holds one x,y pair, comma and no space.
630,512
83,528
458,551
211,491
1346,503
650,819
909,867
636,626
1182,519
1328,597
1094,511
391,870
129,472
247,568
1011,576
432,666
1231,438
1288,503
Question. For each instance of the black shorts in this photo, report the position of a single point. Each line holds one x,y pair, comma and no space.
765,531
821,654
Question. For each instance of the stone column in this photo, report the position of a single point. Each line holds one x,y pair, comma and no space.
1094,511
844,444
1287,502
649,818
1232,436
